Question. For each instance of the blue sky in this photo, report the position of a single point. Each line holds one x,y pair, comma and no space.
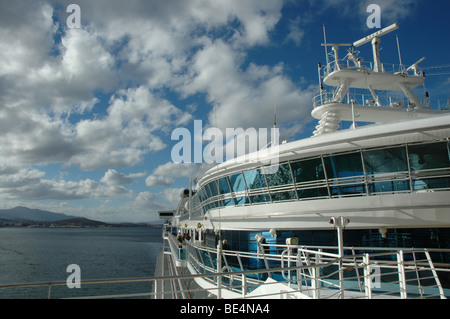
86,115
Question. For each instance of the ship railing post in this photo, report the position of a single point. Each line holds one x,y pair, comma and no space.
244,286
266,263
401,275
163,257
435,275
319,261
314,283
367,276
49,291
340,223
289,265
341,279
357,270
244,278
353,114
219,270
299,273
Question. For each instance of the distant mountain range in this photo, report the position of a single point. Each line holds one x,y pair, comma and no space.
23,216
26,216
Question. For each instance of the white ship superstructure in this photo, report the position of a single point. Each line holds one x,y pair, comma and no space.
381,182
369,77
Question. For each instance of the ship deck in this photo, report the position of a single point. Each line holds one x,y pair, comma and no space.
298,272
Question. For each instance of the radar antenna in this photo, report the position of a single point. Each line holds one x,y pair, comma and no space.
335,48
375,39
415,66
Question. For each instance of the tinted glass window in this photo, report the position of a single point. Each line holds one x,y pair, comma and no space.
237,182
255,179
281,196
202,194
429,156
345,165
431,183
348,190
223,186
228,202
242,200
207,191
263,198
389,187
312,192
385,161
280,176
213,188
309,170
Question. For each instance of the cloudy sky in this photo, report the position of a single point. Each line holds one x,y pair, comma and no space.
86,115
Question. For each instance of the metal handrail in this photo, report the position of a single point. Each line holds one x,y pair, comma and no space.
387,99
357,261
312,269
365,66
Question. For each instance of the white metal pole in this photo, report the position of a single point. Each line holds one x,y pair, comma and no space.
219,267
399,54
325,39
353,114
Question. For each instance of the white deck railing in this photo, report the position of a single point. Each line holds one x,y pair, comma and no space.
365,66
286,271
386,99
315,273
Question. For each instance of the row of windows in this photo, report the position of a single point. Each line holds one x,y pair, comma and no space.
369,172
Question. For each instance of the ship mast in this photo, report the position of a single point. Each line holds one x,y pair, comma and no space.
365,103
375,39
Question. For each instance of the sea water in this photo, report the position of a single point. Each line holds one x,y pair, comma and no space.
42,255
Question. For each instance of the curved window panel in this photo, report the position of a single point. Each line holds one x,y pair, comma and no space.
213,188
255,179
346,165
223,186
228,202
429,165
344,174
195,200
282,196
278,175
389,160
207,191
353,189
242,200
202,194
312,192
389,187
431,183
237,182
429,156
309,170
263,198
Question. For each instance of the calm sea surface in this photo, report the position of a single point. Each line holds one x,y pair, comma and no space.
35,255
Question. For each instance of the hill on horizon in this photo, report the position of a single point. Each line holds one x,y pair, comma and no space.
21,213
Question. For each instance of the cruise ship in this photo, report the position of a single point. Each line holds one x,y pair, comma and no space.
361,209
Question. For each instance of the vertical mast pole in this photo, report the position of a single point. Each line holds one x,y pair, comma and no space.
325,39
399,54
327,61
